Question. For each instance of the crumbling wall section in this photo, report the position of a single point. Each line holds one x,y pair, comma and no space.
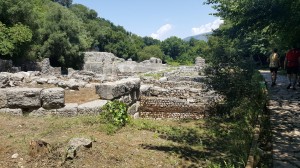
44,102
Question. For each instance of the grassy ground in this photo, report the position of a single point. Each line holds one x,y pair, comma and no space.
142,143
80,96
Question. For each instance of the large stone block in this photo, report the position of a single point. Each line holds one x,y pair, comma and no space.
15,112
41,112
70,110
3,99
53,98
91,108
24,97
113,90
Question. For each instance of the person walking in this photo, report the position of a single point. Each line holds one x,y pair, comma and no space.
274,64
291,64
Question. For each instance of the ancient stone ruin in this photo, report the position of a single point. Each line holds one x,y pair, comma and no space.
150,88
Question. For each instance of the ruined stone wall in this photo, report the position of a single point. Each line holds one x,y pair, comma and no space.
109,64
43,66
180,93
163,107
46,69
44,102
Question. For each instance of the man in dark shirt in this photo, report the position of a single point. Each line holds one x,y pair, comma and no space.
291,64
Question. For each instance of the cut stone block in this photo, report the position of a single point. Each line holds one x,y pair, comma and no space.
69,110
15,112
53,98
24,97
43,112
112,90
91,108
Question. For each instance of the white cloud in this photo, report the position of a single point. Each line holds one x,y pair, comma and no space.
207,27
161,31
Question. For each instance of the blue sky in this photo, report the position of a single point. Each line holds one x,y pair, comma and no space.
159,19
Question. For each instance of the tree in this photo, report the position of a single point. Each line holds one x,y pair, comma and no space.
173,47
12,38
63,36
66,3
150,51
273,17
150,41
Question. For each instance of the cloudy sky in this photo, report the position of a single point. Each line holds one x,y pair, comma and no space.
159,19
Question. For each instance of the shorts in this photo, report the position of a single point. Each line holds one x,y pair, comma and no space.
273,69
292,70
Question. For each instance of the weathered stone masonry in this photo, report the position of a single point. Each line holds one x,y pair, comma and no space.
43,102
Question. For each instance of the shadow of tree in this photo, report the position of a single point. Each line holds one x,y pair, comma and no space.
185,136
184,152
193,144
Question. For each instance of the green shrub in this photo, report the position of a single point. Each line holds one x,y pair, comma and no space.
115,113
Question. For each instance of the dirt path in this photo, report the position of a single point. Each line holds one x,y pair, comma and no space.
284,105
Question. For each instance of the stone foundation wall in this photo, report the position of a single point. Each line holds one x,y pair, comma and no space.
180,93
172,84
44,102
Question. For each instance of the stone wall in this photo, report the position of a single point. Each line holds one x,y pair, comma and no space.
47,69
43,66
109,64
44,102
180,93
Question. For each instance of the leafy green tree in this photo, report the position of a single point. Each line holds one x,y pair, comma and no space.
12,39
173,47
62,37
150,41
273,17
66,3
150,51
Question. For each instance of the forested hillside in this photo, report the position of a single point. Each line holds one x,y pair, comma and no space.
60,30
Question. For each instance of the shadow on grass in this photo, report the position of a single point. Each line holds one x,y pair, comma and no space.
200,143
184,152
184,136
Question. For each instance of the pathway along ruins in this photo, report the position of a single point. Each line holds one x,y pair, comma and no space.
284,106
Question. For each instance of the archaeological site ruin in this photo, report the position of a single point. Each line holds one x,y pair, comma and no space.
150,88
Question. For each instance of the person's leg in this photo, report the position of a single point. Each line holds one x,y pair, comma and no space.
272,76
289,76
295,74
275,75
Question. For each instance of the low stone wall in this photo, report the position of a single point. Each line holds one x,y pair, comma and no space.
44,102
